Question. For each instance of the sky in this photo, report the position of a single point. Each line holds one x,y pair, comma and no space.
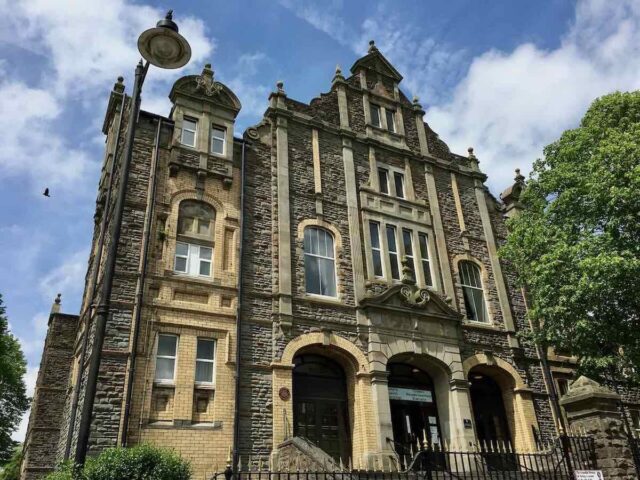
504,76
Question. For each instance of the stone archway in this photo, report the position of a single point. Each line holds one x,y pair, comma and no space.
517,400
358,388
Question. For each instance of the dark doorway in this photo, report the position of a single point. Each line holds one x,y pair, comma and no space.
320,405
488,409
491,421
414,413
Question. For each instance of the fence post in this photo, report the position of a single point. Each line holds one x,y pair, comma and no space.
593,409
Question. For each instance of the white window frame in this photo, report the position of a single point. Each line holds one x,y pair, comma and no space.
390,113
195,131
165,381
379,108
207,360
377,249
384,171
395,252
403,192
222,129
485,312
193,260
391,173
315,255
425,259
410,257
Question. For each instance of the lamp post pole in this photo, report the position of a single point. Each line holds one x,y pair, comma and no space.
164,47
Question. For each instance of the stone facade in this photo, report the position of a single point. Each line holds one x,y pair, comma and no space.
355,159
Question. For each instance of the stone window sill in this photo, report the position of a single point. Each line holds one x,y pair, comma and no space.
480,325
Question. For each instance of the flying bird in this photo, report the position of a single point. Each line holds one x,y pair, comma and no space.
46,192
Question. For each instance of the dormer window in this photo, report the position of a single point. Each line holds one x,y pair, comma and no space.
376,118
189,129
218,140
391,120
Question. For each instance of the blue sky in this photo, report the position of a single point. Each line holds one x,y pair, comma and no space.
505,76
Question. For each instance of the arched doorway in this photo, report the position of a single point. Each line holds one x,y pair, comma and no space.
320,411
414,412
488,409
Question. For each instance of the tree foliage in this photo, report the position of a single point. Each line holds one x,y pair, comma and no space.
11,469
13,396
141,462
576,245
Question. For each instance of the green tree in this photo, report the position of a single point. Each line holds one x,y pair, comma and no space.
11,469
576,245
13,397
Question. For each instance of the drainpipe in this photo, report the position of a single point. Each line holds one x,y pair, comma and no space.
94,279
146,236
236,413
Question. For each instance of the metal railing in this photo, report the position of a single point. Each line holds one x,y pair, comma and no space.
487,461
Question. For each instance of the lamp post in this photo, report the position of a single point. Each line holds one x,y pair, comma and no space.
163,47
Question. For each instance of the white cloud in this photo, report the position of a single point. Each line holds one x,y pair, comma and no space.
82,47
511,104
30,381
324,16
67,278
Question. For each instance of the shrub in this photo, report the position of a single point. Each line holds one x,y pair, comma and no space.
142,462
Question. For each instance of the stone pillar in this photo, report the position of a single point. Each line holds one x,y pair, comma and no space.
593,409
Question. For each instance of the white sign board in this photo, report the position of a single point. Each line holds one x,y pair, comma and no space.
588,475
410,395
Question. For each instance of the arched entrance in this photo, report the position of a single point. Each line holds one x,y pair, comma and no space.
488,410
320,412
414,412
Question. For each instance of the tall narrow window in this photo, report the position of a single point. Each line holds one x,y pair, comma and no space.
472,291
205,356
383,180
407,242
375,115
376,252
398,181
424,258
391,120
218,140
319,262
189,129
166,358
394,262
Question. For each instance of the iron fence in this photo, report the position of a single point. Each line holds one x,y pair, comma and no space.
556,461
634,445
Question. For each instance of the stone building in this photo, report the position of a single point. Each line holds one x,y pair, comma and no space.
332,275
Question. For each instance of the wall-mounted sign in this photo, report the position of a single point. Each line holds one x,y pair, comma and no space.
467,423
284,394
588,475
410,395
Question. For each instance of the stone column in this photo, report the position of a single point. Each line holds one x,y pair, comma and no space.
380,393
594,409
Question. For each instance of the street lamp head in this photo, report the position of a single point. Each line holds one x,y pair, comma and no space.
163,46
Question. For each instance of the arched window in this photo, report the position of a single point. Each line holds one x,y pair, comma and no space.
194,248
472,290
319,262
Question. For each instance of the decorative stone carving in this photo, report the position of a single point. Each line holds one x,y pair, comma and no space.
206,83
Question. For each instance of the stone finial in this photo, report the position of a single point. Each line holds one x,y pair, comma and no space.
471,155
416,104
118,87
338,75
372,46
519,178
55,308
280,86
207,71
